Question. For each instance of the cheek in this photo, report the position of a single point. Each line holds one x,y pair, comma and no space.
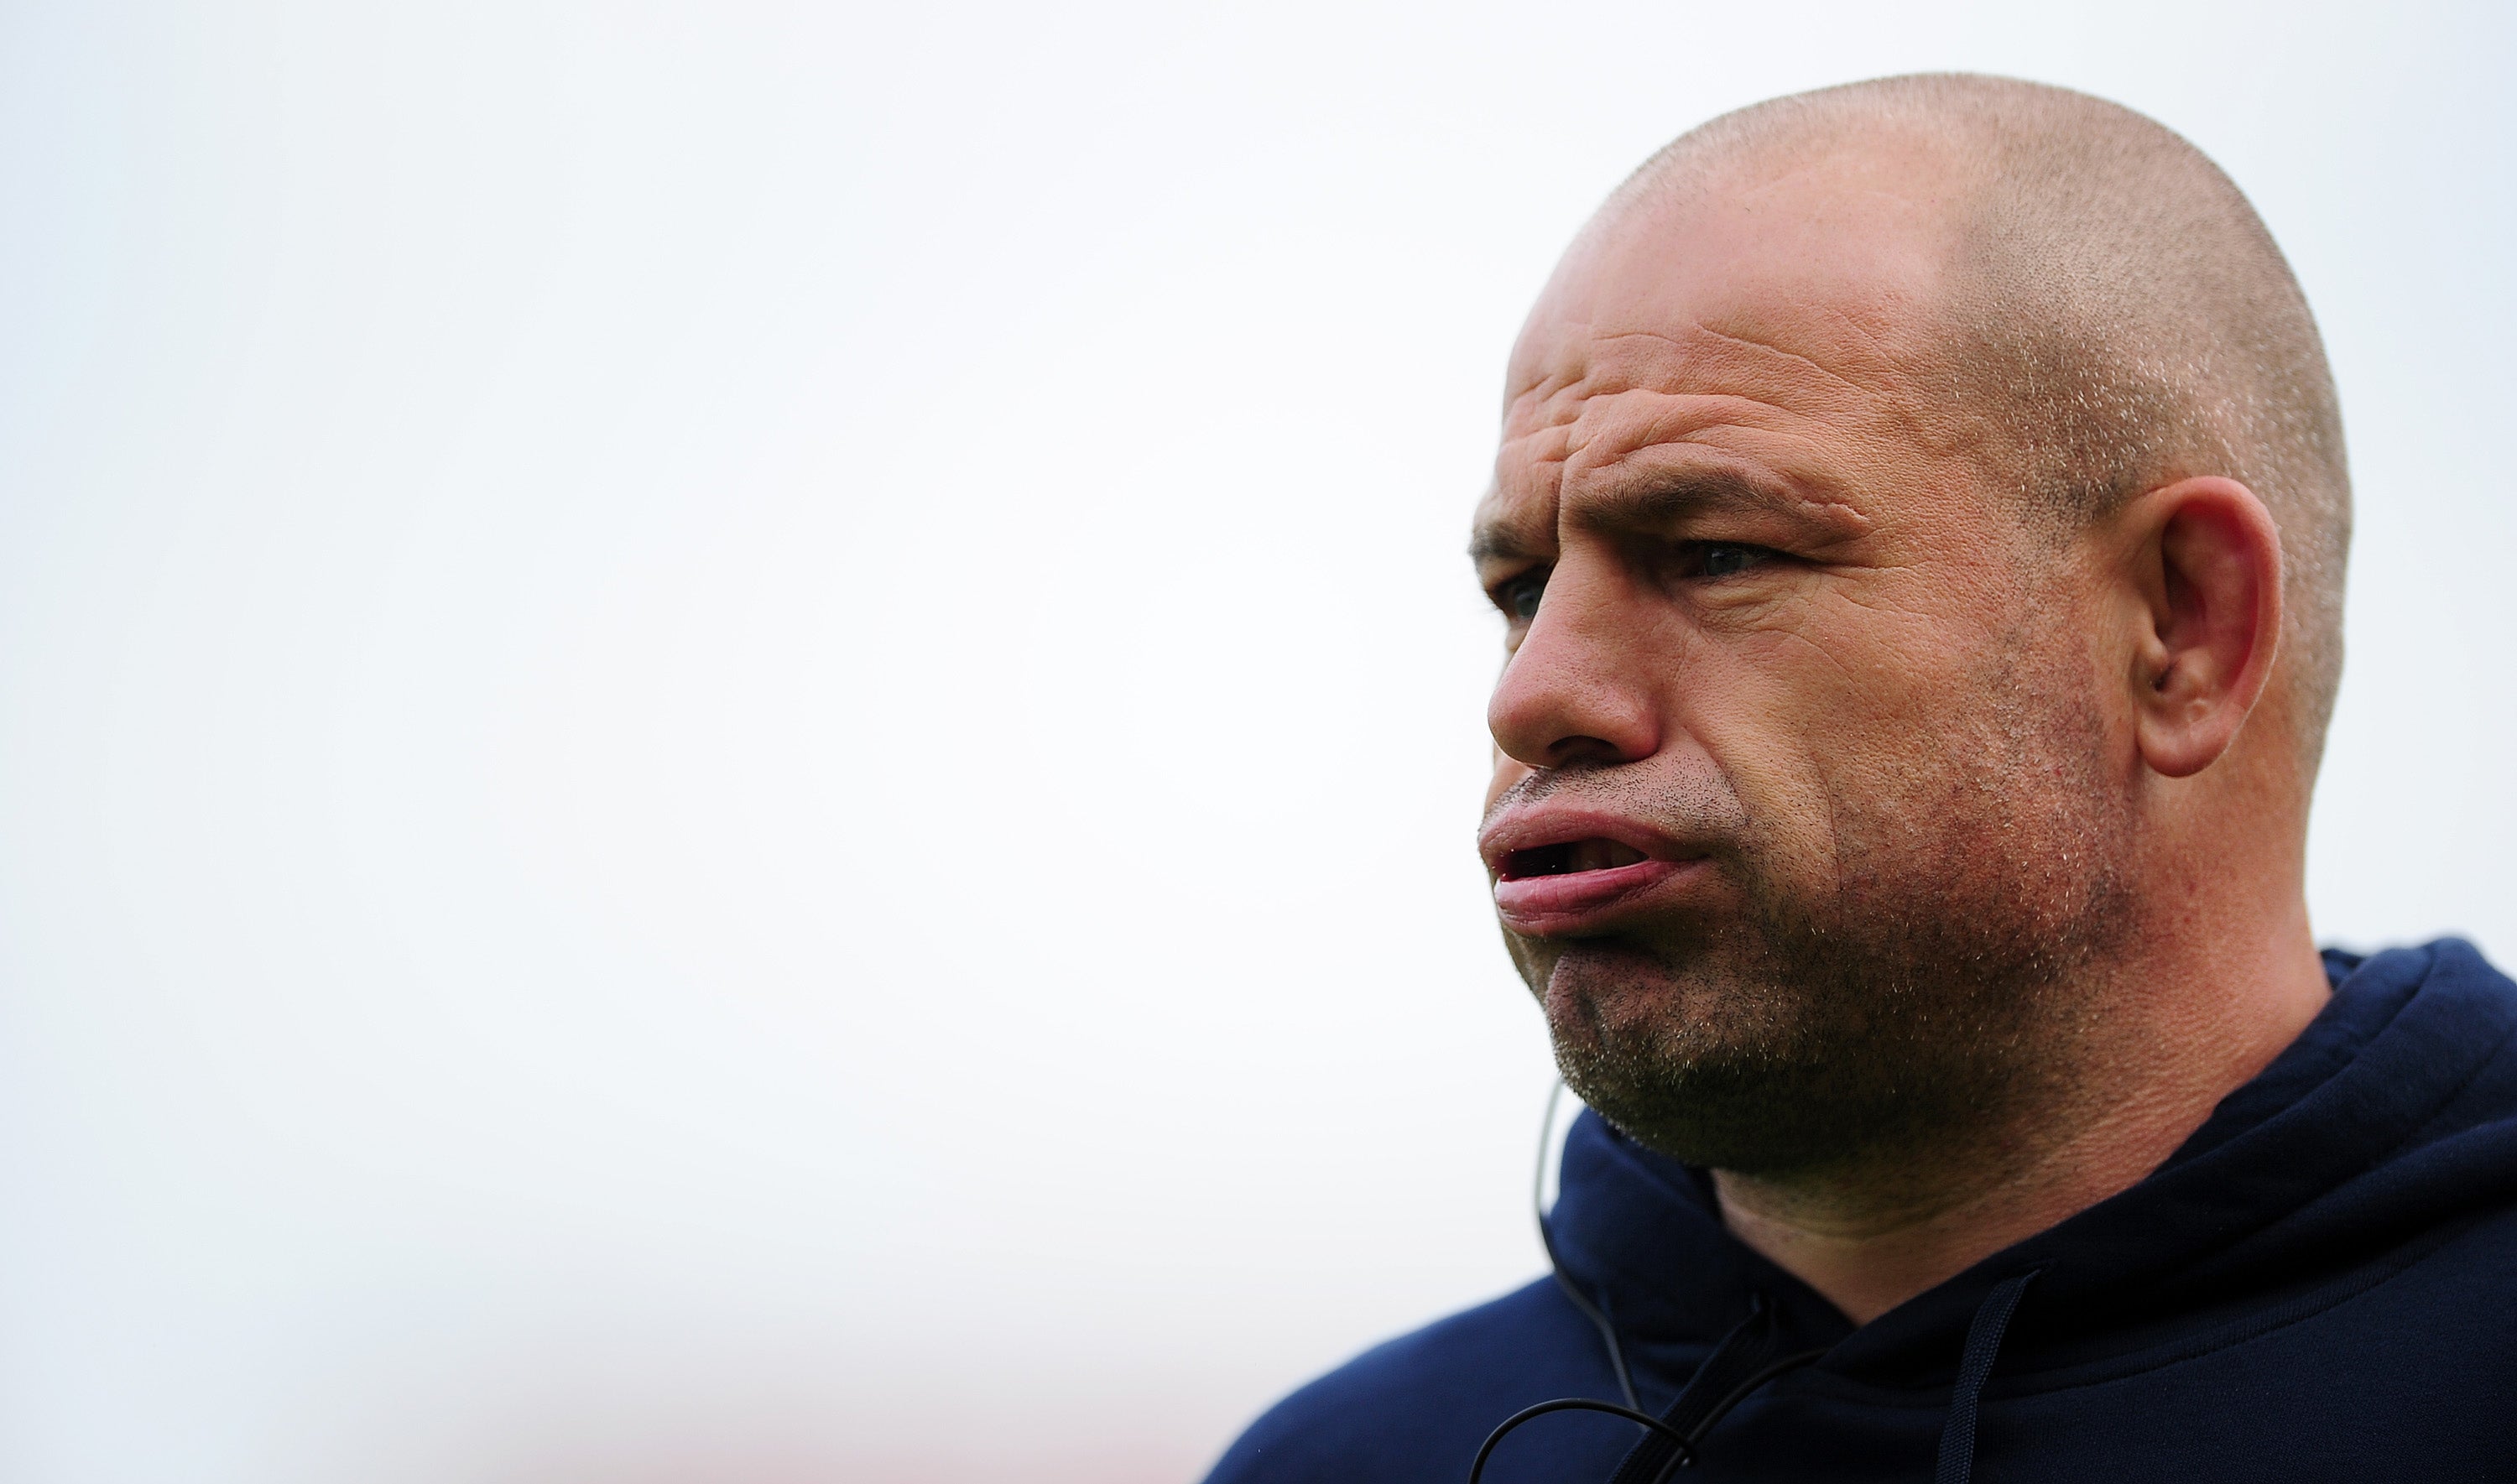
1802,720
1871,679
2000,760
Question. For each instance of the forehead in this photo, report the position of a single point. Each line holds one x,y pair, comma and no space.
1866,232
1784,318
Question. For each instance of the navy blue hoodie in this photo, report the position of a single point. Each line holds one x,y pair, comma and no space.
2322,1284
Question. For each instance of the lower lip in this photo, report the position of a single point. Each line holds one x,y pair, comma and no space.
1539,905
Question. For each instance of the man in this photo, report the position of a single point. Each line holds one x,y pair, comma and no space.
1919,527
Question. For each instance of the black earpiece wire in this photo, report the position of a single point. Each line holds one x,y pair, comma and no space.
1686,1453
1555,1265
1633,1411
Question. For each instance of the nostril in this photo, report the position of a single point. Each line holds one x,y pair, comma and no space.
1583,749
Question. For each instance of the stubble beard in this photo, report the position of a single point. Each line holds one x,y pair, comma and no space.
1933,989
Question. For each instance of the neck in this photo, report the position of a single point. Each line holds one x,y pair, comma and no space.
1871,1235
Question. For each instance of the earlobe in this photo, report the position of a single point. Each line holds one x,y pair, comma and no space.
2208,572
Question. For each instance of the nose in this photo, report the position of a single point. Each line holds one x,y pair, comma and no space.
1575,690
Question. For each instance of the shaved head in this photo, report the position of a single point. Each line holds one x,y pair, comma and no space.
2117,317
1919,524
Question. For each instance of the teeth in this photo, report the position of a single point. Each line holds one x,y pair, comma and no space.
1603,854
1571,857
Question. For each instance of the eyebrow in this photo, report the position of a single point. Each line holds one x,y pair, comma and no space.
1496,541
1651,498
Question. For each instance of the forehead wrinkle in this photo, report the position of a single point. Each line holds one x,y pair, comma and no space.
1699,361
1611,394
1751,343
1721,353
1569,367
1648,497
1797,358
1537,457
1541,384
1517,516
1661,418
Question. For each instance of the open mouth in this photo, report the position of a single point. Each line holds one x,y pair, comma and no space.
1570,857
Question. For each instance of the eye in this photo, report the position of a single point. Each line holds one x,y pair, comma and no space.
1728,558
1518,597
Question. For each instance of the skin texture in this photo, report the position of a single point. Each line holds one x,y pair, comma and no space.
1972,850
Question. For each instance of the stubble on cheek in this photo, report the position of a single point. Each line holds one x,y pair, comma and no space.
1875,986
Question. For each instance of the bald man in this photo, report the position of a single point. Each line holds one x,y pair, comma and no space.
1919,532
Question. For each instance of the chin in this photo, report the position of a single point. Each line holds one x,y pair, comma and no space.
1617,992
1713,1058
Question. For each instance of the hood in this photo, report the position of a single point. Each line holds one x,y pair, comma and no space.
2358,1149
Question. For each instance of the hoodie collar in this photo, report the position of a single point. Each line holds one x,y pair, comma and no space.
2393,1111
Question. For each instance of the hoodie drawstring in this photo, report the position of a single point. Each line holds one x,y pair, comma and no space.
1983,1343
1742,1362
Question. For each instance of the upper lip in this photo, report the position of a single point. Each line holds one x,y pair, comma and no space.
1536,826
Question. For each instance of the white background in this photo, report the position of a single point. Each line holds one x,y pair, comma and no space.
737,742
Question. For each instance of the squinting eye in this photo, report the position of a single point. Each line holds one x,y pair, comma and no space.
1721,561
1520,596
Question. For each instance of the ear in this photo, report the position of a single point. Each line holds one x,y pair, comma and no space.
2206,565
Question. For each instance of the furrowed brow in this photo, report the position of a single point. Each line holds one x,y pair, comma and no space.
1653,500
1499,541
